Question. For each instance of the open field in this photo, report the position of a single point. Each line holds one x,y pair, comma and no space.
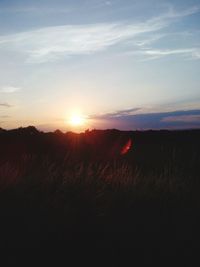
56,188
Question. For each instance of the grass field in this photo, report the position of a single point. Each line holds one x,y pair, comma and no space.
55,188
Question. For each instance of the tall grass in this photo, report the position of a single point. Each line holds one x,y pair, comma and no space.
153,189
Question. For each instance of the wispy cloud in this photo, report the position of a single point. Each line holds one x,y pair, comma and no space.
182,118
159,53
6,105
145,41
51,43
174,14
157,120
9,89
196,54
116,114
167,52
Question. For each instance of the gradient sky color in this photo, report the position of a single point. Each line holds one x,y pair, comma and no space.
122,63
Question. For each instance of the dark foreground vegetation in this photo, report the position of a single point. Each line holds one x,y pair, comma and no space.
80,193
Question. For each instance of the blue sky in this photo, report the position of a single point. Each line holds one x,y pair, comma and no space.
116,62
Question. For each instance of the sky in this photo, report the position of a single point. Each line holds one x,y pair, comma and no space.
124,64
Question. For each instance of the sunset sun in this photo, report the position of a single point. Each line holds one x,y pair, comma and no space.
77,120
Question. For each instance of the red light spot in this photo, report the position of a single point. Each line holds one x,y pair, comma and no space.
126,147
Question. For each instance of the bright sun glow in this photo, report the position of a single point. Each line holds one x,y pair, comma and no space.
77,120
